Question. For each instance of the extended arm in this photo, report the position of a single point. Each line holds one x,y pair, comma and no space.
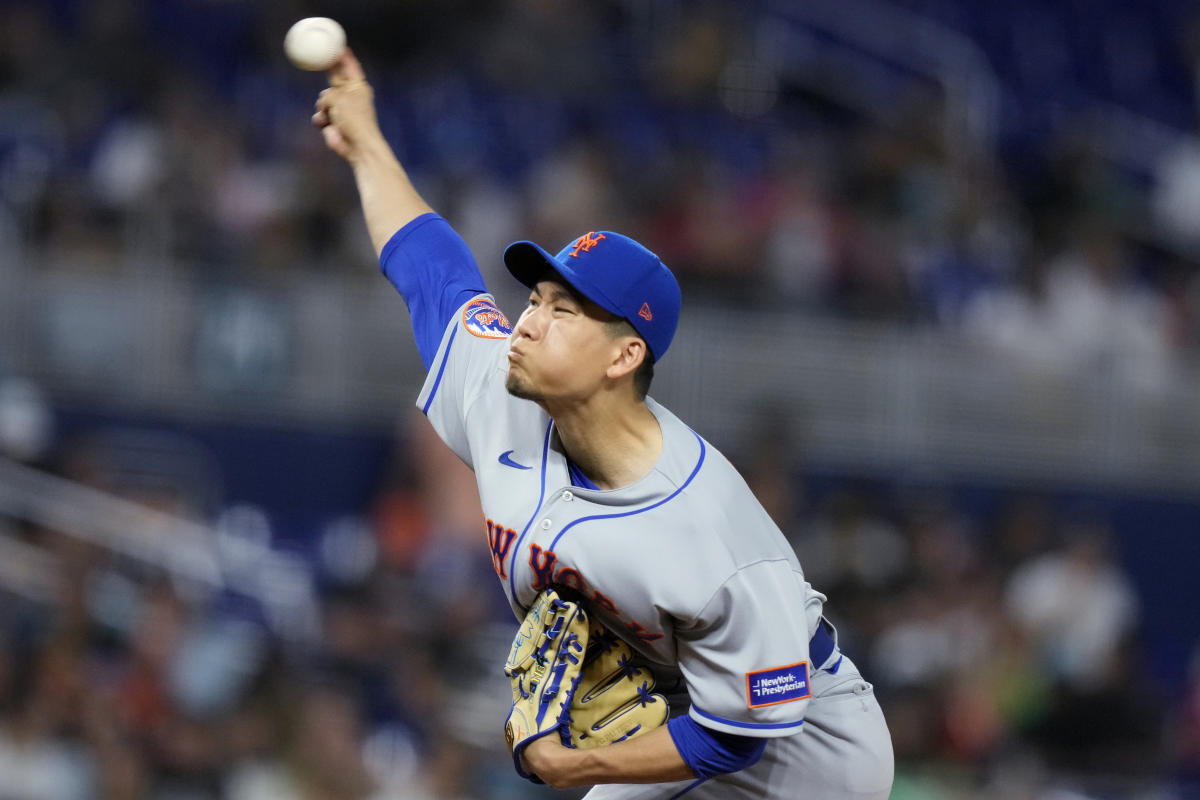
346,116
428,263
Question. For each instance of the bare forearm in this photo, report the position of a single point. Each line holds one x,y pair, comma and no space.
652,758
389,200
345,113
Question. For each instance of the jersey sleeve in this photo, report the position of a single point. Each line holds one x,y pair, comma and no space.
470,360
710,752
745,657
434,271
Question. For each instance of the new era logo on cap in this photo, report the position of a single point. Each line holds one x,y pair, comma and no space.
644,312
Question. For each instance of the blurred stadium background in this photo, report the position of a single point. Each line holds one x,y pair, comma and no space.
941,264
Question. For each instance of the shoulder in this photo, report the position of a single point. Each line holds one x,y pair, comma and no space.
474,338
710,486
482,318
721,519
464,392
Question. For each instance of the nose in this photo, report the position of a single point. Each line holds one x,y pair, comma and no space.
529,325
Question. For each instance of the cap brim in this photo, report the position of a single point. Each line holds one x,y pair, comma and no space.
527,262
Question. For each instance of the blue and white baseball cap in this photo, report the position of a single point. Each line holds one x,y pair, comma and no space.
614,272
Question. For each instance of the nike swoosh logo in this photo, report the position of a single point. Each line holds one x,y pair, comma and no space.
508,462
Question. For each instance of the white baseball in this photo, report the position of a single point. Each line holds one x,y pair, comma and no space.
315,43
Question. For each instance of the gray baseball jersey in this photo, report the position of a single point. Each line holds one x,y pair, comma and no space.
685,564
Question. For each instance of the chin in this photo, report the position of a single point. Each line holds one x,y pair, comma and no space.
520,388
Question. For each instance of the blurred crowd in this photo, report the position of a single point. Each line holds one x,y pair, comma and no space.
127,680
172,136
175,134
1006,643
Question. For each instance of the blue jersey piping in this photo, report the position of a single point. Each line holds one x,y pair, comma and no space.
689,787
512,564
441,369
750,725
666,499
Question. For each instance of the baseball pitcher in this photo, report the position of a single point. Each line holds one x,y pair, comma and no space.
669,644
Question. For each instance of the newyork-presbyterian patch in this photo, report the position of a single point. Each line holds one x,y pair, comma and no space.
768,687
481,318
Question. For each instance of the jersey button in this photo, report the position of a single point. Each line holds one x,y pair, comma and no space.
546,524
568,496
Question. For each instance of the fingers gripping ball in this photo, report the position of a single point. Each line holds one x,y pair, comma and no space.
614,700
543,667
314,43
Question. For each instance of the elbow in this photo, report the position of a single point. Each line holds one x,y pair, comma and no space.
559,777
559,781
552,763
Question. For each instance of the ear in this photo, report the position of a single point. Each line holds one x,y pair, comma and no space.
629,354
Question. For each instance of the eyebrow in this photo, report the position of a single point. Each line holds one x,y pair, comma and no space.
556,293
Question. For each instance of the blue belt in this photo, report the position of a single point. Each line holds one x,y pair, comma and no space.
821,646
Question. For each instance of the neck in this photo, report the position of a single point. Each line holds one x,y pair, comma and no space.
614,441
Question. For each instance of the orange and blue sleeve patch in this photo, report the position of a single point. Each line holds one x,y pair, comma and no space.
481,318
770,687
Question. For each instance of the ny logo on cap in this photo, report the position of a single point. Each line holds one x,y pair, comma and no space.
586,242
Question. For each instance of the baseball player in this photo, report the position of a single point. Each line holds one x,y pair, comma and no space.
589,484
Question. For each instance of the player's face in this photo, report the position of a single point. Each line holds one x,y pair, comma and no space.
560,348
